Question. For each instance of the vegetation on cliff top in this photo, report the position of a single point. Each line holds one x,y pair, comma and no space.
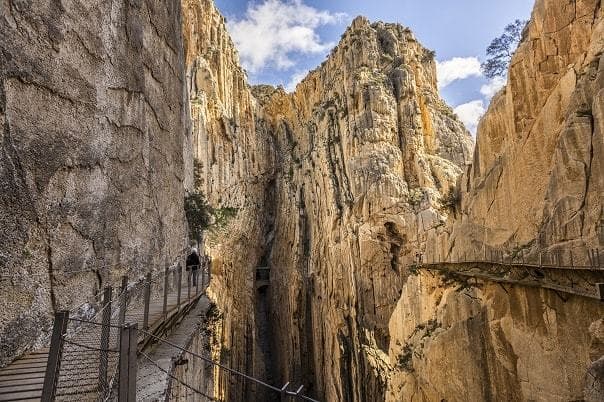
502,48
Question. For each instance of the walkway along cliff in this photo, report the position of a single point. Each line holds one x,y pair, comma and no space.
339,189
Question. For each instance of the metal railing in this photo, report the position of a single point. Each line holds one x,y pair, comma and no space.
283,392
558,258
578,271
94,358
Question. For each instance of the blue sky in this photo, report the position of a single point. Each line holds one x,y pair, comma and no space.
281,40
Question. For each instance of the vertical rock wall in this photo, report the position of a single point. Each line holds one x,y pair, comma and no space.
480,341
235,158
92,132
367,149
335,187
340,184
535,186
536,181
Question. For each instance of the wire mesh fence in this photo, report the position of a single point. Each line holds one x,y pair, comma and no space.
91,352
87,348
178,387
94,358
189,389
579,258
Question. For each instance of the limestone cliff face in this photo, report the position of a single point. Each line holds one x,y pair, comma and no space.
535,185
92,128
339,184
481,341
366,150
235,159
336,186
536,181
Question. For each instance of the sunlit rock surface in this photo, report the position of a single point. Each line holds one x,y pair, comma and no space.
536,180
351,176
236,164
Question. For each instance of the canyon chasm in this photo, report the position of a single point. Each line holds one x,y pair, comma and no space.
340,187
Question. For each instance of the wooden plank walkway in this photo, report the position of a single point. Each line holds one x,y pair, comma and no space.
23,379
578,281
151,382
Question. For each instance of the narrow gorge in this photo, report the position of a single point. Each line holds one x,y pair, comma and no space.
366,258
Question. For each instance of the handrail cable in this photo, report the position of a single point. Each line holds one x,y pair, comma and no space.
226,368
175,378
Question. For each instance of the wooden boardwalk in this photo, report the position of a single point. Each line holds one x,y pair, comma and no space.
23,379
578,281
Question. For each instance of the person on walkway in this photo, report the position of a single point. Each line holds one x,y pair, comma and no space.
193,264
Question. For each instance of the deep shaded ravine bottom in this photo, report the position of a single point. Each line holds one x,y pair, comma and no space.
264,338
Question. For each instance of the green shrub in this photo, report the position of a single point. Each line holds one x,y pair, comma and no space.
416,196
451,200
428,55
198,212
405,359
222,216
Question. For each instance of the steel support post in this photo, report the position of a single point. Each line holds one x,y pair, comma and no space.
53,366
127,375
165,305
147,297
104,347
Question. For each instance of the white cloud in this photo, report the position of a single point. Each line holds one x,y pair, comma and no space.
271,31
458,68
295,80
470,114
489,90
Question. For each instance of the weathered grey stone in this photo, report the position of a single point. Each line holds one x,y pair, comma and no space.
93,128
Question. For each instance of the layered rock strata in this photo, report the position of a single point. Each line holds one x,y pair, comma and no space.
359,173
336,188
482,341
235,160
536,180
367,150
92,133
335,185
535,189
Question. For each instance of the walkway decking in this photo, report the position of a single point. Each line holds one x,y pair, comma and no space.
22,380
578,281
152,382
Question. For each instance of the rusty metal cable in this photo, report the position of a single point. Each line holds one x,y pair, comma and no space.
176,378
226,368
